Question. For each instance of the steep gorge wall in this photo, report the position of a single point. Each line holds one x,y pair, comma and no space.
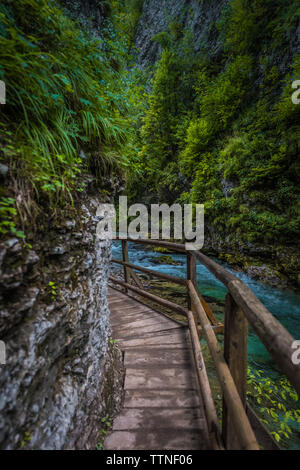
200,17
89,13
62,372
197,16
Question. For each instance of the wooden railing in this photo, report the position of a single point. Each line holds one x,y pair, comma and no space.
240,426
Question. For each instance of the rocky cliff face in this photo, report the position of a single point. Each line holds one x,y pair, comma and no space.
62,372
194,15
199,17
89,13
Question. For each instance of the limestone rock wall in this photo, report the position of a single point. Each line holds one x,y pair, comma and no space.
62,372
194,15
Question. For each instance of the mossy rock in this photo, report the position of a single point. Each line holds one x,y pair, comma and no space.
161,249
165,259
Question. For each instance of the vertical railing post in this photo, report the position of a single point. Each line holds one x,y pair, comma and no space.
191,275
236,356
126,259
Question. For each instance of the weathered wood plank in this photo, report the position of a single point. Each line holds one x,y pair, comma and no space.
162,406
157,357
140,321
157,439
165,399
131,332
154,298
151,418
162,378
131,316
171,342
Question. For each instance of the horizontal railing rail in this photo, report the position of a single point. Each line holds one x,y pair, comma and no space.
241,307
152,272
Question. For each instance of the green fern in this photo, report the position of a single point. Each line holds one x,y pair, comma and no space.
63,96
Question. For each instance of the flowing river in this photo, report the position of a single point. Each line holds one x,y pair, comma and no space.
283,304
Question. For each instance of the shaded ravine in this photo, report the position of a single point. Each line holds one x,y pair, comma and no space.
284,304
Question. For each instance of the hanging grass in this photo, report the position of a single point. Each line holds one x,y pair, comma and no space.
63,96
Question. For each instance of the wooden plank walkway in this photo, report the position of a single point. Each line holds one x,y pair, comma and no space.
162,407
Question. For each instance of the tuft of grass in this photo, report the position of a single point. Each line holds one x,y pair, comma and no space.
63,97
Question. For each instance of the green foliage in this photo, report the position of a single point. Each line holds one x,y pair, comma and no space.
52,290
246,24
160,121
270,23
7,215
127,14
276,403
166,116
133,85
106,423
218,102
63,95
161,249
224,96
26,439
224,131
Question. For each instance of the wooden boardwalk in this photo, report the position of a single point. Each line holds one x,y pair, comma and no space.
168,400
162,408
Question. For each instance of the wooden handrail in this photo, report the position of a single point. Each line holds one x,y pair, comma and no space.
216,269
152,272
169,245
236,357
233,401
218,328
242,306
277,340
209,406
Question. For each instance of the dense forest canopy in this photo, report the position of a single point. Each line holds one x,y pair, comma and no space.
225,132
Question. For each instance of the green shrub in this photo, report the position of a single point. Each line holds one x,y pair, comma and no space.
63,96
276,403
